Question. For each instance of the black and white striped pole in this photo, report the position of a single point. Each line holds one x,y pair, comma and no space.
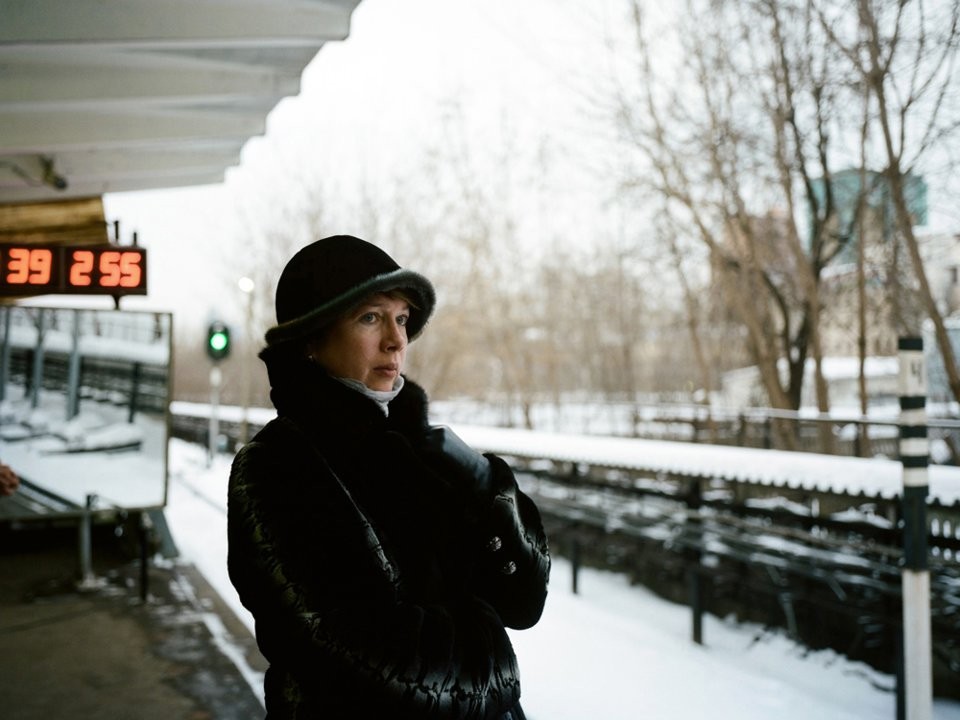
914,455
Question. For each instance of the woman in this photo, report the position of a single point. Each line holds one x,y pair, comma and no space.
381,557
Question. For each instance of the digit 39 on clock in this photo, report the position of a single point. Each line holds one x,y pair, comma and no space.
66,269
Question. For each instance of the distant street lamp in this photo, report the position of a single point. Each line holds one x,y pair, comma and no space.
247,286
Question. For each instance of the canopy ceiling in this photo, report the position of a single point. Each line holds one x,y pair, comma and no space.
101,96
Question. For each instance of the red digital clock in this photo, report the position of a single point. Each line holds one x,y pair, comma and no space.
72,269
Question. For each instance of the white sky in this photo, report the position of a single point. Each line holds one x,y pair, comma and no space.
365,108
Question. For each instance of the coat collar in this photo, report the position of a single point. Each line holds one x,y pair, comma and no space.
333,410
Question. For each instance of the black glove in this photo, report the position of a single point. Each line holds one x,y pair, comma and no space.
457,462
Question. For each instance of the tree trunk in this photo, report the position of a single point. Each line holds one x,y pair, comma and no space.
894,173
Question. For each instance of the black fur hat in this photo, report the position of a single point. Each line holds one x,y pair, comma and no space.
327,277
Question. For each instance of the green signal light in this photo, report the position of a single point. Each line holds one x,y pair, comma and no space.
218,341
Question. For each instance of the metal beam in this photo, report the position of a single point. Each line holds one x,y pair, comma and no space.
83,78
283,59
152,182
130,162
33,132
171,23
98,167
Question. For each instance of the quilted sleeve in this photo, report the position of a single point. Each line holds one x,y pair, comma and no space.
512,557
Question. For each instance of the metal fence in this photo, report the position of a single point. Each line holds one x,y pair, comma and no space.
759,553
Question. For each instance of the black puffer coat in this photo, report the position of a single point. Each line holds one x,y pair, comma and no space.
371,575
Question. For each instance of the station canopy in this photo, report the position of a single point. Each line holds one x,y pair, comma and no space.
102,96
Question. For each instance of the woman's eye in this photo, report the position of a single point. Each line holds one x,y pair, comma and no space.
368,318
403,320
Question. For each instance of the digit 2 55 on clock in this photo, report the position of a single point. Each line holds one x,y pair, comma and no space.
65,269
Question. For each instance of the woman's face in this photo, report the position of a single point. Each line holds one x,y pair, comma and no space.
367,344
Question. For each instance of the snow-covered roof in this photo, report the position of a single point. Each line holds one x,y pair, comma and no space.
825,473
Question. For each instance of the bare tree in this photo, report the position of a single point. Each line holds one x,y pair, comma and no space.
739,149
695,321
905,53
462,226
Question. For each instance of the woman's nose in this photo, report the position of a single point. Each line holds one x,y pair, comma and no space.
396,336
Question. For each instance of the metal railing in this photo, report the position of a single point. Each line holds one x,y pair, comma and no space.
832,580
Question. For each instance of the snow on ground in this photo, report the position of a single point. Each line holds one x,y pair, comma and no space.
612,651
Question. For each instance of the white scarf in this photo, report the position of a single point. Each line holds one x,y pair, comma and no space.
380,397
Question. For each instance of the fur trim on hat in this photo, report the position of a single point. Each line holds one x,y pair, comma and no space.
329,277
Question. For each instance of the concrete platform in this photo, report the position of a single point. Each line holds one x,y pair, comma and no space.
98,650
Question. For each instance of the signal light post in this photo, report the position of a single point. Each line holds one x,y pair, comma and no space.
218,348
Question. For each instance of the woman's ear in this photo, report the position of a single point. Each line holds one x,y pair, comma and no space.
311,348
